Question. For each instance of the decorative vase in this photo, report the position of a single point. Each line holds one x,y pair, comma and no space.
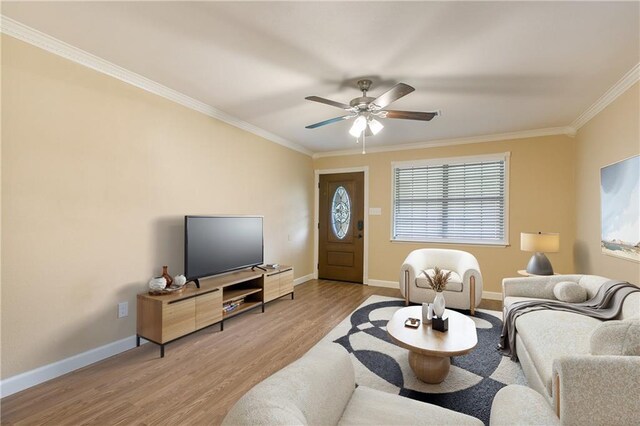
179,280
427,313
157,284
438,305
166,276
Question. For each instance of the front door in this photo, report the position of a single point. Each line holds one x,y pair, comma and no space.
341,227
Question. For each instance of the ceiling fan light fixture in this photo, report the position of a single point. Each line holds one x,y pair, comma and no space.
375,126
358,126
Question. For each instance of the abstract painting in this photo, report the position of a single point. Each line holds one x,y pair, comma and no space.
620,209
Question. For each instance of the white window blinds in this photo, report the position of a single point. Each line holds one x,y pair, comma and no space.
459,201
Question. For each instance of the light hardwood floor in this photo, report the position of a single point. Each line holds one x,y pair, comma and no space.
201,376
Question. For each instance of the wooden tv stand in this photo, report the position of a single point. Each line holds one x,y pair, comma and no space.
163,319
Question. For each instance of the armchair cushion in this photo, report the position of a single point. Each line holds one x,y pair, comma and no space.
454,284
570,292
616,338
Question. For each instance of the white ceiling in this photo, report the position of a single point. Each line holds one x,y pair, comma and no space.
491,67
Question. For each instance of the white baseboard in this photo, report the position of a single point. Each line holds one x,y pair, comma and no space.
302,279
382,283
42,374
491,295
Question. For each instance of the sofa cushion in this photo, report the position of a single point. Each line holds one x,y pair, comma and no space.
548,335
314,390
454,284
373,407
616,338
570,292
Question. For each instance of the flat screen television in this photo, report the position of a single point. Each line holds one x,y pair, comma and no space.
217,244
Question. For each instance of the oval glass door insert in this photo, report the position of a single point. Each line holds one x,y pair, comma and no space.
340,212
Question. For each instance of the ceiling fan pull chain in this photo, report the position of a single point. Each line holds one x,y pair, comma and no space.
364,142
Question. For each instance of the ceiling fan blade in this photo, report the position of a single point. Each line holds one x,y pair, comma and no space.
329,121
393,94
328,102
411,115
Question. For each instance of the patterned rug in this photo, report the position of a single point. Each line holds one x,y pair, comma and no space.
473,379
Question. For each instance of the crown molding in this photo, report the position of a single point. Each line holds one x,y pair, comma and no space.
628,80
551,131
36,38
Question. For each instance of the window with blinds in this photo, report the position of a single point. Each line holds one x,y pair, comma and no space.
460,200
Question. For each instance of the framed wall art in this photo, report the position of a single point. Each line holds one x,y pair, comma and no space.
620,209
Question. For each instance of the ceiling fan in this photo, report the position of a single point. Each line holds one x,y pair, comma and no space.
366,109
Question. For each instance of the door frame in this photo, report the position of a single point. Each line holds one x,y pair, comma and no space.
316,217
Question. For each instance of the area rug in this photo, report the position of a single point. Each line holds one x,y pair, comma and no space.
473,379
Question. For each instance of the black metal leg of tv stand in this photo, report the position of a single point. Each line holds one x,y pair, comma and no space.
159,344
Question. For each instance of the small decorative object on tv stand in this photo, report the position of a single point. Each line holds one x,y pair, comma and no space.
157,283
179,280
166,276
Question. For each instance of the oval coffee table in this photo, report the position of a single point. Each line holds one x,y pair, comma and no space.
430,350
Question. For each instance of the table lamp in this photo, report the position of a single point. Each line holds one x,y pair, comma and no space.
540,244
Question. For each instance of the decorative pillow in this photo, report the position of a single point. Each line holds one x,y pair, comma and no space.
454,284
570,292
616,338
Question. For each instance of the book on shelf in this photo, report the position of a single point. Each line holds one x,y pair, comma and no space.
232,305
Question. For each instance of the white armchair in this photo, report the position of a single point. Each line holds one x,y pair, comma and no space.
464,290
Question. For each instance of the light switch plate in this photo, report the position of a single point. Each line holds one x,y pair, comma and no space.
375,211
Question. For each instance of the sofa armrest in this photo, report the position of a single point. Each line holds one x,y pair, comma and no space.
592,389
516,405
537,287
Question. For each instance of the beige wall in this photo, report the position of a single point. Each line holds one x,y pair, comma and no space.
96,178
541,198
611,136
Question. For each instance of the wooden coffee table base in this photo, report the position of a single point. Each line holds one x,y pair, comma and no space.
429,369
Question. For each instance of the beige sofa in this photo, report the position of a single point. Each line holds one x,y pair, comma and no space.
583,368
319,389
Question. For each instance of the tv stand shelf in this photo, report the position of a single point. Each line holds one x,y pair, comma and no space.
229,295
161,319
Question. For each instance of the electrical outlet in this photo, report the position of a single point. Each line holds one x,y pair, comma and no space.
123,309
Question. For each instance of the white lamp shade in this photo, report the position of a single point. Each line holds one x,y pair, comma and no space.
358,126
540,242
375,126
